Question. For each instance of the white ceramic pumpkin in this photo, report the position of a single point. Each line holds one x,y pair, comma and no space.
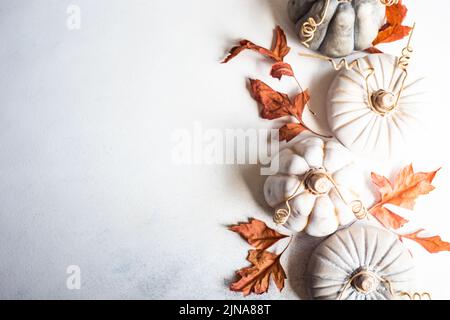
370,114
303,179
362,262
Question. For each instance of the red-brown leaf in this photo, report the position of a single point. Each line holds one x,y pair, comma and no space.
277,53
300,102
396,13
280,69
431,244
280,48
403,193
392,33
248,45
290,131
258,234
274,104
256,278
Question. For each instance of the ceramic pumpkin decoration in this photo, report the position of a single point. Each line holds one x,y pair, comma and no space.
317,187
337,27
376,109
362,262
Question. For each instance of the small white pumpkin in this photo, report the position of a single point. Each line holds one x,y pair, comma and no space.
369,113
362,262
303,179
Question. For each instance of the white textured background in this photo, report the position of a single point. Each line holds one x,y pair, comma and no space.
85,153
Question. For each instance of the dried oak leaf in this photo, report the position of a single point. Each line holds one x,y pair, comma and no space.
408,186
256,278
274,104
277,53
280,69
393,30
432,244
258,234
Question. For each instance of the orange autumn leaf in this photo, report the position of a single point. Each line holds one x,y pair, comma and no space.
290,131
393,30
258,234
280,69
432,244
277,53
256,278
274,104
392,33
408,186
396,13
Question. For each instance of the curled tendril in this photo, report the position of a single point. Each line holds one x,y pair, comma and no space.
416,295
389,3
359,210
310,26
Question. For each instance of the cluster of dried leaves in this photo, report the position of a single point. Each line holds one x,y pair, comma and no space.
265,264
274,104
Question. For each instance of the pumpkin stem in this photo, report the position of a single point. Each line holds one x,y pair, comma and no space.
318,182
382,101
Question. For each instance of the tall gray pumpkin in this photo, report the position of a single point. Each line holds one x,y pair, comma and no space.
347,25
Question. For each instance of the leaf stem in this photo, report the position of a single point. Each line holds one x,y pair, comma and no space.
301,89
289,243
312,112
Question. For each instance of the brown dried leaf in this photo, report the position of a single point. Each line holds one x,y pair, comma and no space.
274,104
277,53
290,131
258,234
280,69
248,45
256,278
300,102
280,48
391,34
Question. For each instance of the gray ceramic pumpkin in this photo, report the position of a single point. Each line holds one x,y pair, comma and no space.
337,27
362,262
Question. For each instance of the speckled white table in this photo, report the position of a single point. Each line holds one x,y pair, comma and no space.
86,118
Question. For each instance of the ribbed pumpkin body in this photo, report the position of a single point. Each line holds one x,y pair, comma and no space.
374,258
317,207
343,26
355,122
